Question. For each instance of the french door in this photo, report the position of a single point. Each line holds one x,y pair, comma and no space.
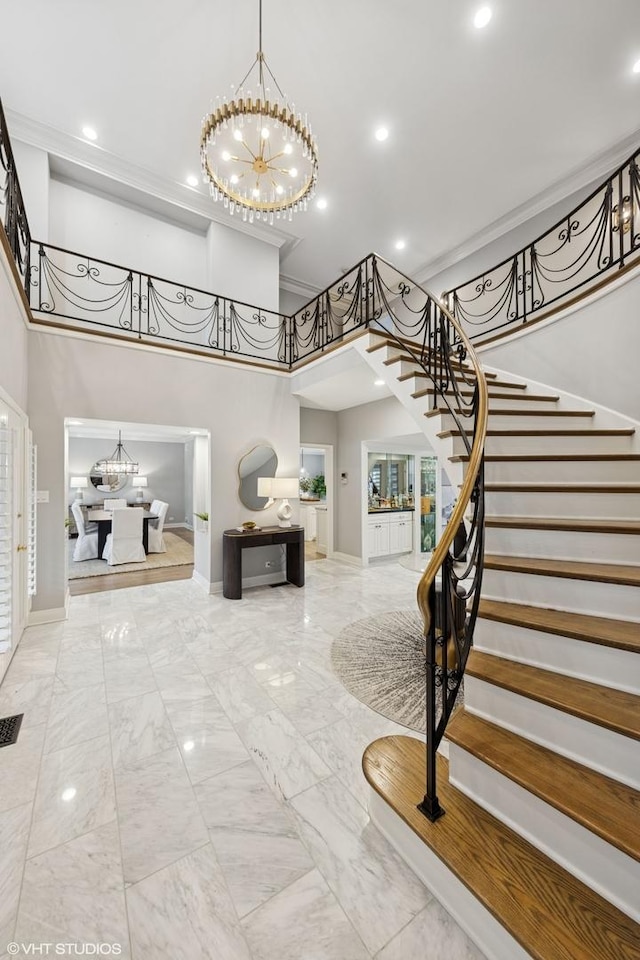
17,528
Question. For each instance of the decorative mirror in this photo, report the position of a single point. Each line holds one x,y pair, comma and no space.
107,482
259,462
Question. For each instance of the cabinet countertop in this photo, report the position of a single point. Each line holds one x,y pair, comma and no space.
391,510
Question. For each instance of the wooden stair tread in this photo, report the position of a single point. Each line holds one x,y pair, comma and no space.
586,432
547,457
604,806
548,911
614,710
604,487
422,373
621,634
567,569
498,384
578,525
523,412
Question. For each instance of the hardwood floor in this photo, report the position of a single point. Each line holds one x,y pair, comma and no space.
139,578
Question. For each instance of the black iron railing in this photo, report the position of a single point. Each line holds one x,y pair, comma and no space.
12,211
588,246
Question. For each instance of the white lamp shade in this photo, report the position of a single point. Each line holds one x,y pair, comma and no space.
140,482
286,488
80,483
264,486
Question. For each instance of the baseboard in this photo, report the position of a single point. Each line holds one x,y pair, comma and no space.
347,558
53,615
202,582
466,910
262,581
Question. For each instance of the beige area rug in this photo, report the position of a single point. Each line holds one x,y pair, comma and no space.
178,552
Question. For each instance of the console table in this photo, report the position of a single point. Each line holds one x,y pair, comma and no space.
235,541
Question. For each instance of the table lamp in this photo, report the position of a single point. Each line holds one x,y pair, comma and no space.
280,488
80,483
140,483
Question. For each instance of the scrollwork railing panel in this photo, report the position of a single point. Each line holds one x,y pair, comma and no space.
601,235
12,210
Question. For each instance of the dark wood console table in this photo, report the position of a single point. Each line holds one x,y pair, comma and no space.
234,542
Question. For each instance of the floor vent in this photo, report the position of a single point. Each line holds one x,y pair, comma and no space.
9,729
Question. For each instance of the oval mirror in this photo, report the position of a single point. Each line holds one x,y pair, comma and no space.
107,482
259,462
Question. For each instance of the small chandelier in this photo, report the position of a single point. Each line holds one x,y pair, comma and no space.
118,462
258,155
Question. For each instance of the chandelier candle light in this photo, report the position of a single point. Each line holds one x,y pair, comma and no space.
258,155
118,462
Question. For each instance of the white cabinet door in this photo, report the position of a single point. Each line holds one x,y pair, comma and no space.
378,537
401,533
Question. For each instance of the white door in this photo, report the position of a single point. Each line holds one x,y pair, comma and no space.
13,529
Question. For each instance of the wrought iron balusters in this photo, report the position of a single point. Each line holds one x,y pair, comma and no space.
12,210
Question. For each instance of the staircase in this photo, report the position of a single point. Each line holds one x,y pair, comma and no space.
539,851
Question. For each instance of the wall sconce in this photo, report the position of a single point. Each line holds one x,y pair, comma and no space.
139,483
81,484
280,488
621,216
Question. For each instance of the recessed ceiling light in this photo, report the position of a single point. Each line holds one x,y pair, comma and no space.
382,133
400,244
636,67
192,180
378,383
321,203
89,133
482,17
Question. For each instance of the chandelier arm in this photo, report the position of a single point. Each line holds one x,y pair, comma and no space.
270,72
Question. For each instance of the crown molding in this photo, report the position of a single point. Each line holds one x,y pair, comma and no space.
587,174
108,165
300,287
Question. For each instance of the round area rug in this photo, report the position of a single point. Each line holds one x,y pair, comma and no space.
380,661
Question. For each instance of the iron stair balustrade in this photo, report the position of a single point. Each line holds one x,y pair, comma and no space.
424,329
12,210
587,247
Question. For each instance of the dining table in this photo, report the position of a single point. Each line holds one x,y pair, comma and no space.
103,519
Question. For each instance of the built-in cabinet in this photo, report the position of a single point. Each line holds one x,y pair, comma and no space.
390,533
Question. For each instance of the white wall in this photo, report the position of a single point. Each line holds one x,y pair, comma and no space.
591,351
13,334
33,172
162,463
367,422
242,267
88,223
290,302
98,380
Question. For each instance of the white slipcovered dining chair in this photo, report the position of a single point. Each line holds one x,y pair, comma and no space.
115,503
156,540
87,543
124,543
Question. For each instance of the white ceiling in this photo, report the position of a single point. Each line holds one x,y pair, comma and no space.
480,122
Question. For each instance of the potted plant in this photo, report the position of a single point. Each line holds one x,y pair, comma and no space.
203,517
305,486
319,486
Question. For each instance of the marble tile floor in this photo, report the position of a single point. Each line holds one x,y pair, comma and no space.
187,782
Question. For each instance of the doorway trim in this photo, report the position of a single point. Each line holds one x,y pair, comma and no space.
329,477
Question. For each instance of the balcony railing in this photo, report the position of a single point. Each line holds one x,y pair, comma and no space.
12,210
590,245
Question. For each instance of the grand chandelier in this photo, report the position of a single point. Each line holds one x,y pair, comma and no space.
118,462
258,154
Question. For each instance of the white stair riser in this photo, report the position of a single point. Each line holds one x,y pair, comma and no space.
607,666
562,471
563,545
573,503
590,744
496,404
546,444
614,600
604,868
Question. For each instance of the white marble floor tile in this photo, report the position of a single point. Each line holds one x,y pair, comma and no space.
310,714
285,758
253,834
434,935
75,894
241,696
78,669
181,681
31,697
377,891
76,715
165,646
14,834
19,767
304,922
206,739
34,660
127,678
211,654
341,746
183,912
160,821
75,794
139,728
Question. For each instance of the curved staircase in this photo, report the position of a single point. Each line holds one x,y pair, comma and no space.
539,852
